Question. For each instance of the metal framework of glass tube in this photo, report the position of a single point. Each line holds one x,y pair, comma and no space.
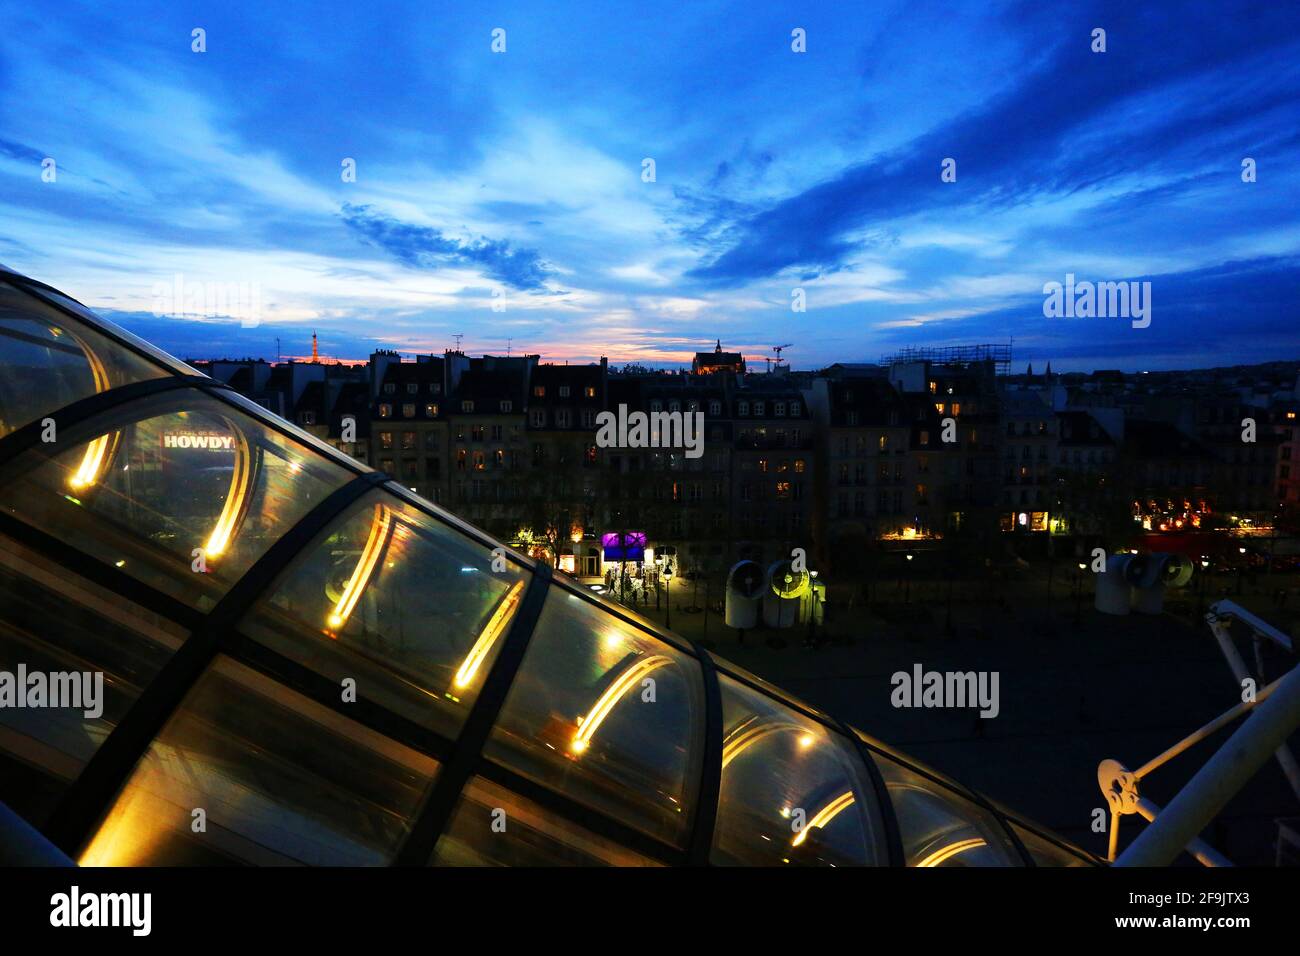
216,632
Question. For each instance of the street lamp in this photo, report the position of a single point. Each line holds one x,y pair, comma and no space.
668,592
1078,591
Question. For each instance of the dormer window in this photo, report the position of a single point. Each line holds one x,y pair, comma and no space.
467,407
507,407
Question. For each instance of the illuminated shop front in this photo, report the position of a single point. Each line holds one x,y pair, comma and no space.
339,672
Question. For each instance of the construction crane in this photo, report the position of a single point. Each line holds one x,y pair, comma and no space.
778,349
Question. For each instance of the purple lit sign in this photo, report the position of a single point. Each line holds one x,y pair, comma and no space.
629,546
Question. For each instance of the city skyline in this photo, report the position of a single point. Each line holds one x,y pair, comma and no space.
521,173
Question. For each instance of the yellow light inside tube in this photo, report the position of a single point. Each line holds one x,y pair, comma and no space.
488,636
232,512
824,816
98,450
742,739
92,463
381,527
948,852
612,695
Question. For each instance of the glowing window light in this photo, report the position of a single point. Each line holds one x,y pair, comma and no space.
488,636
612,695
824,816
946,853
381,531
232,512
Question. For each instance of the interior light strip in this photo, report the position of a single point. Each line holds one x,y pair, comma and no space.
99,451
612,695
749,734
381,532
232,512
948,852
824,816
495,626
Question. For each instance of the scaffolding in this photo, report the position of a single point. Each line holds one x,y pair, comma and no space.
954,355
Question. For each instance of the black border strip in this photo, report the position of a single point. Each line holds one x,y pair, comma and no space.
706,802
465,757
83,804
581,815
84,409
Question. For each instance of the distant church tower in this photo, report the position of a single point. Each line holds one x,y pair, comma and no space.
315,355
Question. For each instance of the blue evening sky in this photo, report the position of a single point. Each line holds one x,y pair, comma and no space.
515,178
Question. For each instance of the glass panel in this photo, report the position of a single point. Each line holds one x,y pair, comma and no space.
607,714
494,827
1046,853
793,792
940,827
279,779
96,320
48,360
73,658
178,490
395,599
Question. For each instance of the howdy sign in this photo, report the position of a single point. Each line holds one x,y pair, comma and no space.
212,442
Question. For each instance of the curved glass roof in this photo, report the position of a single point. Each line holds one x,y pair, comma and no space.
303,662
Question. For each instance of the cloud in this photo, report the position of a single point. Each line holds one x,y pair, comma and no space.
422,247
1053,132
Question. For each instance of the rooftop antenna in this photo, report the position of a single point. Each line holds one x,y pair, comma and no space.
277,349
508,343
458,336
